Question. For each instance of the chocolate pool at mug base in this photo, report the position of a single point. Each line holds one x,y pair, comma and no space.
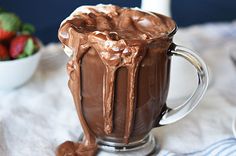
119,73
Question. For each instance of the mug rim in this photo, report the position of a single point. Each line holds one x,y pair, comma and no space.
173,32
168,35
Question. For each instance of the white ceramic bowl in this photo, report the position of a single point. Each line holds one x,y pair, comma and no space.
14,73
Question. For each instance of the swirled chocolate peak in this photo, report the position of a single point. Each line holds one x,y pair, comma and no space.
114,23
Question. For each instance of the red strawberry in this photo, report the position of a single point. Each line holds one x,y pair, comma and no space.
9,25
23,46
6,35
3,53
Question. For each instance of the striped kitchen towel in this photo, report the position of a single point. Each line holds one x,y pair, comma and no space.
226,147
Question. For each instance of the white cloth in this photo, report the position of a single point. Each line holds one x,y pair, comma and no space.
37,117
212,120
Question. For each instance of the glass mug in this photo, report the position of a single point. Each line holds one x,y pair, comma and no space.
150,109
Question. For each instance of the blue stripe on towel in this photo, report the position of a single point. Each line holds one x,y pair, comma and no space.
227,150
226,147
223,149
220,148
218,145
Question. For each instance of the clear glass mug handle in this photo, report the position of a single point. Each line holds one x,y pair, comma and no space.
172,115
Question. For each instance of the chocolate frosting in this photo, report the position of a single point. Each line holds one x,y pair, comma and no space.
113,42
